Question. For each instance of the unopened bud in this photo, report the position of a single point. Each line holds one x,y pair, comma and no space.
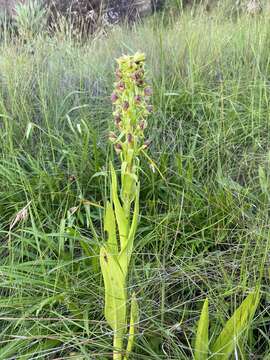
129,138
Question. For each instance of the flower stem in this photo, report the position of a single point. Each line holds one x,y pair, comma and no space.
117,346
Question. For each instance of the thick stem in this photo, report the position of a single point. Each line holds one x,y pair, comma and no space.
117,346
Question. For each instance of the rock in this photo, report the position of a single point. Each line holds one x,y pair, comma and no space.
82,14
118,10
86,15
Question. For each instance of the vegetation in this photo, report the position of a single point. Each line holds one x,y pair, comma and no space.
204,189
131,108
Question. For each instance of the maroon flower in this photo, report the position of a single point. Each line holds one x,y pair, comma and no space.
112,136
148,91
117,119
118,74
118,148
133,76
140,82
125,105
137,75
129,138
121,86
137,99
114,97
142,124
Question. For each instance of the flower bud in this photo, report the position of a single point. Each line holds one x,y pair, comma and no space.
125,105
150,108
114,97
129,138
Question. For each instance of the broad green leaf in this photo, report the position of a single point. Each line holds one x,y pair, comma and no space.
120,215
134,319
234,327
115,292
128,187
126,252
201,343
110,228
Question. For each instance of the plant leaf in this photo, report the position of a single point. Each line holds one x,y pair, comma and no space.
234,327
201,343
126,252
110,228
134,319
121,219
115,292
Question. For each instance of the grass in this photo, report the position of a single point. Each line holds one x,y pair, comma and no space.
204,229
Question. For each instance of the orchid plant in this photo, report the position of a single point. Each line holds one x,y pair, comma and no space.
131,108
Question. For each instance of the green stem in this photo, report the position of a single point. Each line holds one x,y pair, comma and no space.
117,346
